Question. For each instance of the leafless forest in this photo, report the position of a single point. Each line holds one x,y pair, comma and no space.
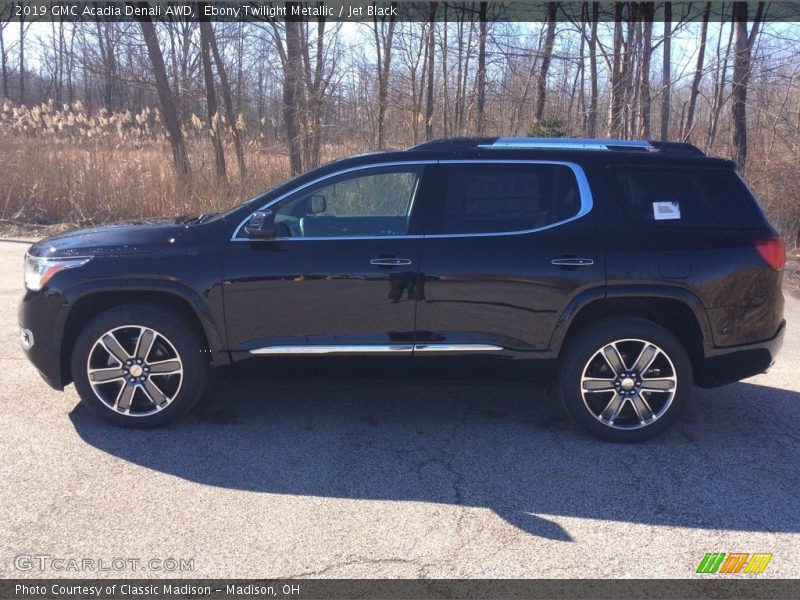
107,120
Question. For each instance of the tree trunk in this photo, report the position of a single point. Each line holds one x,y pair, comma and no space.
315,86
431,47
480,77
719,87
645,99
698,75
741,69
212,114
183,168
228,99
666,78
384,64
547,54
459,101
292,93
592,117
21,61
582,70
615,109
445,80
3,61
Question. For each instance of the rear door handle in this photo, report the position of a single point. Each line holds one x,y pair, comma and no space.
390,262
572,262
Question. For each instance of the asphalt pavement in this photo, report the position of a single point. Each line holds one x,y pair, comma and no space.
356,480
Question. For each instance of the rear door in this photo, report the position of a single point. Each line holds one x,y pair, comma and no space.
507,246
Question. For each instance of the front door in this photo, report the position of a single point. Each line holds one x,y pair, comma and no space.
339,278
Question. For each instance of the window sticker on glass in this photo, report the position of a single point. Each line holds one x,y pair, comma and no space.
663,211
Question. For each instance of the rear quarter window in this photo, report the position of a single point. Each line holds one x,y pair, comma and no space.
686,196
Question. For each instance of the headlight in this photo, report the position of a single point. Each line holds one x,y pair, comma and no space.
39,270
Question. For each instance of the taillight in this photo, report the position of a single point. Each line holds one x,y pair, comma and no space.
772,251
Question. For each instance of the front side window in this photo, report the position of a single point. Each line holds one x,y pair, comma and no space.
370,203
501,198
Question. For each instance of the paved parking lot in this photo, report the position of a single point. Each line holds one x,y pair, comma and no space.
315,479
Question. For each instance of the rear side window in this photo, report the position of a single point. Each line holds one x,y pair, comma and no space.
709,198
500,198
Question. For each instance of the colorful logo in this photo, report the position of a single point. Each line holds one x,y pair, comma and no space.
734,562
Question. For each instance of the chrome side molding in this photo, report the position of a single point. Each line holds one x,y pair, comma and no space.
374,349
456,348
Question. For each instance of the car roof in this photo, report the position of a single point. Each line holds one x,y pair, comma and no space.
577,150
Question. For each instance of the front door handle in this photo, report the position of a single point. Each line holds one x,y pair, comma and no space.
390,262
572,262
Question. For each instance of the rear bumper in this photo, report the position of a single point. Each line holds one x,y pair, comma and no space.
727,365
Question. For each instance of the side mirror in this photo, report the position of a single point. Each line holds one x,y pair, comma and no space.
317,204
261,225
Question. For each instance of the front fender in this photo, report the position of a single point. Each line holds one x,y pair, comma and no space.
200,305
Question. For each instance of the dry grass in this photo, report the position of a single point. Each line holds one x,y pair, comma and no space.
48,181
61,165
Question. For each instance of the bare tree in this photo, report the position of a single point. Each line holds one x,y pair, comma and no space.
22,60
720,75
698,75
183,168
107,45
228,99
666,72
212,114
592,125
480,77
645,100
5,15
547,54
384,37
317,81
741,74
617,74
292,92
431,48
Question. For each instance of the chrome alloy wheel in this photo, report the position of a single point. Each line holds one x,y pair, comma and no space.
628,384
134,370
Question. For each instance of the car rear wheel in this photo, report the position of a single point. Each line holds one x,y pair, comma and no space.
139,366
625,379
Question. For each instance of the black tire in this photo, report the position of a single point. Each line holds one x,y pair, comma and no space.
176,347
598,411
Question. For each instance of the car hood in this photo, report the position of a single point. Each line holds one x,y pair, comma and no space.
129,237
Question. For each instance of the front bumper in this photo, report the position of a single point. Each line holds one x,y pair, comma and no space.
735,363
37,317
47,360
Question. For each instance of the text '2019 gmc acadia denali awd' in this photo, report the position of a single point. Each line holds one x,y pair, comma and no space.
625,271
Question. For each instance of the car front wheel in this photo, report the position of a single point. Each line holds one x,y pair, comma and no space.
139,366
625,379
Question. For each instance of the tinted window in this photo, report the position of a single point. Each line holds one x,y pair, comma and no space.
368,203
684,196
496,198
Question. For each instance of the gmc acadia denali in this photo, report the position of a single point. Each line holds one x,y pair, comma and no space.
625,272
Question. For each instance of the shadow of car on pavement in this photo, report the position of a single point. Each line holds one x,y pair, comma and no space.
729,464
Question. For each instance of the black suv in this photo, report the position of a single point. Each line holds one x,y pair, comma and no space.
624,272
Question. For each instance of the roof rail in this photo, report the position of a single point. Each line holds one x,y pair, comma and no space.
679,148
570,144
533,143
455,143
